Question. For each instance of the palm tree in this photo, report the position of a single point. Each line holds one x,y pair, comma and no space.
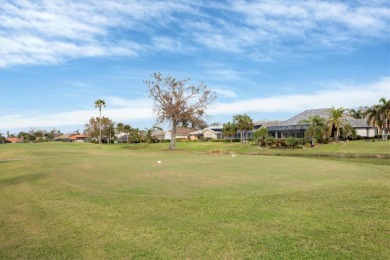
349,131
109,131
244,124
119,130
335,120
316,129
385,114
229,130
373,117
260,133
379,116
127,130
148,135
99,104
135,135
357,114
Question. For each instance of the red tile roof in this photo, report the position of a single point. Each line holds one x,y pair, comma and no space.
14,140
79,136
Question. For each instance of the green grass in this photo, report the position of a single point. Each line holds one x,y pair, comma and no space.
60,200
347,149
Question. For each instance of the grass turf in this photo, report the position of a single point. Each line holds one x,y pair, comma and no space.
61,200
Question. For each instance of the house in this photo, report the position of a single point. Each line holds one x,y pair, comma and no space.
80,138
72,138
13,140
212,132
158,134
261,124
196,135
122,137
182,133
63,138
294,127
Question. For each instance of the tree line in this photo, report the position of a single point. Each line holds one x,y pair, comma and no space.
180,103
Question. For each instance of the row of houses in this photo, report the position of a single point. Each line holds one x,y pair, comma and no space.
61,138
278,129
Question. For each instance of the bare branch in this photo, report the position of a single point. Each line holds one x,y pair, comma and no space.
174,102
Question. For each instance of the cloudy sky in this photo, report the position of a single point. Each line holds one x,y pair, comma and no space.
269,59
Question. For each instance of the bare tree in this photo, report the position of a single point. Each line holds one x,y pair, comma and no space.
175,102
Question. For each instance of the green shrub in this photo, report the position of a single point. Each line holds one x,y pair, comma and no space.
291,141
270,140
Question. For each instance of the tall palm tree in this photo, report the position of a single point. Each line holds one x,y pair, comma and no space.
316,129
99,104
385,113
127,130
379,116
374,117
335,120
244,124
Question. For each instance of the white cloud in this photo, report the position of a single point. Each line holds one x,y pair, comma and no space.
220,72
124,110
166,43
118,102
291,26
347,96
224,92
46,32
119,111
50,32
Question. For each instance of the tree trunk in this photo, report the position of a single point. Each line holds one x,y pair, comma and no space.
100,126
172,144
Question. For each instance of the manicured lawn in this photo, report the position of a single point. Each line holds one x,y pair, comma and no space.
60,200
348,149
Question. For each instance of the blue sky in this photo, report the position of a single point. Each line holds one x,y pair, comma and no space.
269,59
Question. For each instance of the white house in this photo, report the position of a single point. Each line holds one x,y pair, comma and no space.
182,133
